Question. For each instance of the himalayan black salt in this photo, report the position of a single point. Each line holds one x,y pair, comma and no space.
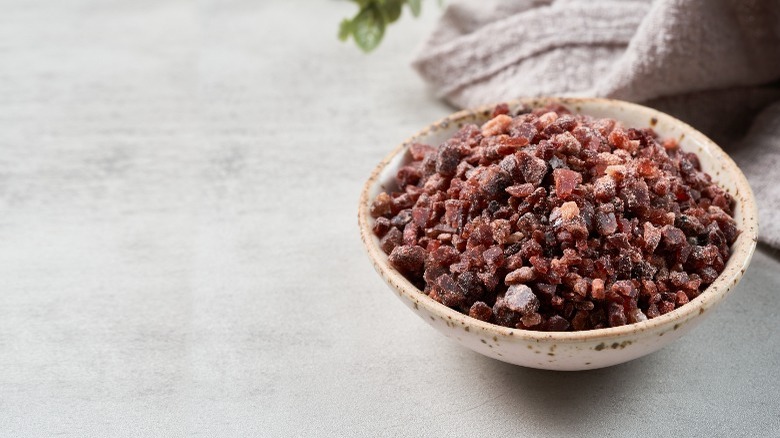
552,221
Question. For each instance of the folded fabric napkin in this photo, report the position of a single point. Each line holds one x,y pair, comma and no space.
712,63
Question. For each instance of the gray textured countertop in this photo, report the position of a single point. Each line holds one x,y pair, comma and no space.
179,254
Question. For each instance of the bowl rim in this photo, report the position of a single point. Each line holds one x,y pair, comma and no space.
742,249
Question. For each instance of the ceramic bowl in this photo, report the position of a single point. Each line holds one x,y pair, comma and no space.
583,349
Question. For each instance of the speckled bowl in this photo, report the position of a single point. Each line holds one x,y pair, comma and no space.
585,349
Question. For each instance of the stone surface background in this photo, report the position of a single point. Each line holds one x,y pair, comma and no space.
179,254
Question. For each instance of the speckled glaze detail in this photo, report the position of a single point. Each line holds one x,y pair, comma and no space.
585,349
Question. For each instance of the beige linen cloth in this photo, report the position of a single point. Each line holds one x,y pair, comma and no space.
712,63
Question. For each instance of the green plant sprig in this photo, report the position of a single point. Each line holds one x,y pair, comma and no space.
368,27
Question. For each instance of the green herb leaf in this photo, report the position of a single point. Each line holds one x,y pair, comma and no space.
392,10
345,29
368,28
415,6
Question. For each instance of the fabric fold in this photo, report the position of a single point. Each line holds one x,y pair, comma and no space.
506,41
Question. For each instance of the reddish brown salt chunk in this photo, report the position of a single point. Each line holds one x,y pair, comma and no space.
493,181
616,315
566,122
545,292
401,218
673,237
604,189
481,311
693,284
503,315
606,222
538,197
524,274
533,169
501,230
442,256
661,186
523,130
566,143
381,226
635,195
469,135
620,140
520,298
455,212
546,119
531,320
520,191
418,151
569,211
470,285
489,279
665,307
703,256
556,323
724,221
408,259
652,237
393,238
708,274
625,288
411,233
414,192
604,126
570,222
597,289
511,166
435,183
515,261
401,202
581,287
408,175
421,216
501,108
652,311
479,235
540,264
448,292
580,320
645,168
447,159
565,182
496,148
618,172
494,256
497,125
381,206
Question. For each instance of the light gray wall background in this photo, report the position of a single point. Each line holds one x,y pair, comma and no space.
179,254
